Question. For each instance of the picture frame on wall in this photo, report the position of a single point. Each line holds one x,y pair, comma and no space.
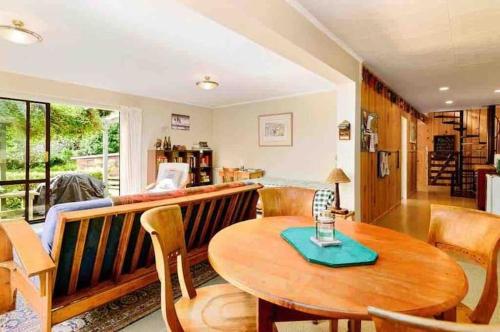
413,132
276,129
180,122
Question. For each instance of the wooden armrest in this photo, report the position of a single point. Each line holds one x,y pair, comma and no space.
34,259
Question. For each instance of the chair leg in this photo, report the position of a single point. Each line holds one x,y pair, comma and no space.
334,325
46,294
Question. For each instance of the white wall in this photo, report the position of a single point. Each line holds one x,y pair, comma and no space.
312,155
156,113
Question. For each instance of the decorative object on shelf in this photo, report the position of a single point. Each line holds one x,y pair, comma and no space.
345,131
158,144
204,145
180,122
276,129
325,230
18,34
207,84
369,131
179,148
337,176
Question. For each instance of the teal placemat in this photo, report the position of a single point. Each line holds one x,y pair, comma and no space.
349,253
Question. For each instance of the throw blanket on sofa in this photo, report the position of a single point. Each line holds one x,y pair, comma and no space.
49,228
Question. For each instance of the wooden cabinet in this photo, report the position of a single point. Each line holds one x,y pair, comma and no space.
200,164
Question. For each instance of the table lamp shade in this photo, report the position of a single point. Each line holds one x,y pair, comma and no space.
337,175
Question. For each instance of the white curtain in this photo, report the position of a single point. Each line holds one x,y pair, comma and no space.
130,150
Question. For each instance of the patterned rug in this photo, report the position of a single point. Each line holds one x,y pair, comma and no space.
112,316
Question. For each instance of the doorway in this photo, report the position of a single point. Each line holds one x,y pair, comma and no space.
24,158
404,158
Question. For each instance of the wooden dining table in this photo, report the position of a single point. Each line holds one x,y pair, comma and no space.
410,276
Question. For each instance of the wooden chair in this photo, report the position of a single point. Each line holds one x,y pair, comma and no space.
287,201
388,321
475,235
219,307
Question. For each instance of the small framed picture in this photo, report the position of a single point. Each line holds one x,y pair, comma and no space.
180,122
276,129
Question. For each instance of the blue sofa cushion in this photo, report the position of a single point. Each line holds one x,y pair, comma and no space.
52,217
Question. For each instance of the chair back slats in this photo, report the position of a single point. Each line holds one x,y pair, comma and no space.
207,222
230,211
100,247
196,225
187,216
247,197
218,217
77,259
138,249
123,245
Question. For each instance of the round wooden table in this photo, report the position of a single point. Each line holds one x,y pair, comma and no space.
410,276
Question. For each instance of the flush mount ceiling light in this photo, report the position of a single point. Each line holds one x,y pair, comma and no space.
449,102
444,88
207,84
497,91
17,33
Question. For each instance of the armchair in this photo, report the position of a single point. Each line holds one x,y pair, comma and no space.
171,176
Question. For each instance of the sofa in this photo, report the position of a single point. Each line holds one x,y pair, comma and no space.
99,254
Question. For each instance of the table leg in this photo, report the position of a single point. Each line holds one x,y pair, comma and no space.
450,315
354,325
265,316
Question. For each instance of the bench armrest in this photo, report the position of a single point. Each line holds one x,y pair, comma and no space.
34,259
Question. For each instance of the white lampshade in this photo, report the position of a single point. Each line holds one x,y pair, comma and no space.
16,33
207,84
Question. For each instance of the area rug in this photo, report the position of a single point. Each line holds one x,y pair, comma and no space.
112,316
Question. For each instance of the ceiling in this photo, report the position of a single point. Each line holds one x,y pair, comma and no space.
153,48
417,46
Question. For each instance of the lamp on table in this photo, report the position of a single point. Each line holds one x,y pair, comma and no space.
337,176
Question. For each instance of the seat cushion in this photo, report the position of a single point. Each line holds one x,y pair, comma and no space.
218,308
52,217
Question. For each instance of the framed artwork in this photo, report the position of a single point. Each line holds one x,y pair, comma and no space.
180,122
345,131
276,129
413,131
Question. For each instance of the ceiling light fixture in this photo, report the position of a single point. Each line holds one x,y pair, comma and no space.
449,102
497,91
17,33
444,88
207,84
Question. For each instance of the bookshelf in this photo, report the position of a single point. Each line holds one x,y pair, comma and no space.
200,164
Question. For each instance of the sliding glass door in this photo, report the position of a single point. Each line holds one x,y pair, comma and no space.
24,159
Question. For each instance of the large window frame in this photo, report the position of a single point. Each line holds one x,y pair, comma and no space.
27,181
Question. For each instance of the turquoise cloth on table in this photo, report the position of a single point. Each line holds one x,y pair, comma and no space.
349,253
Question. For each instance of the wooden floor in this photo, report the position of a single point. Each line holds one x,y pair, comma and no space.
412,215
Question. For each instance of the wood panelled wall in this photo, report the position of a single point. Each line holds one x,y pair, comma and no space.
380,195
474,120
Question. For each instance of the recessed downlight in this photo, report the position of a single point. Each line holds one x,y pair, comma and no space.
444,88
449,102
497,91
